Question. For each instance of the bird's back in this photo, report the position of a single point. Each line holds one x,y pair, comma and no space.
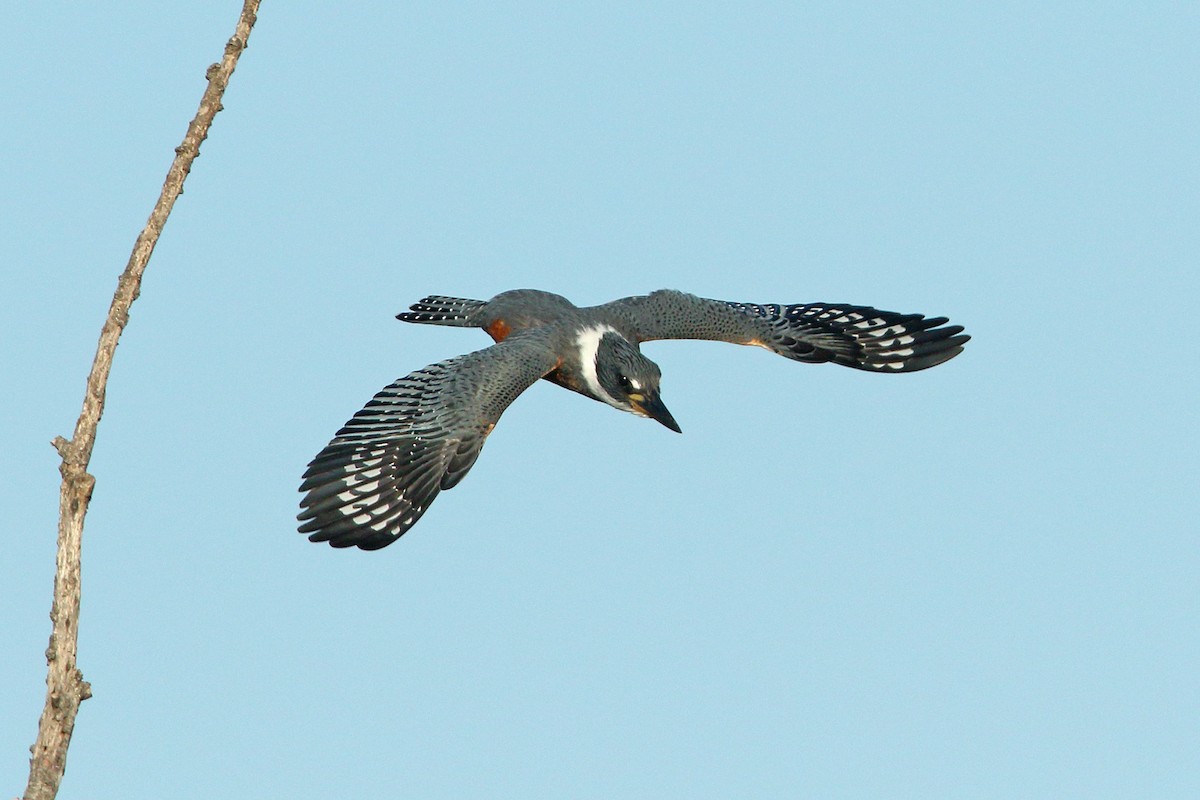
515,310
527,308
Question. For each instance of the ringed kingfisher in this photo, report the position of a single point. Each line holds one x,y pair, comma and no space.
422,434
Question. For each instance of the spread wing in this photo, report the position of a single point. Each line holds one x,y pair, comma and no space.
416,437
854,336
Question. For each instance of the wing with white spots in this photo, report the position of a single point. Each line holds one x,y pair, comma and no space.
417,437
854,336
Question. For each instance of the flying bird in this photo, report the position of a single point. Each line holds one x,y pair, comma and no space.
422,434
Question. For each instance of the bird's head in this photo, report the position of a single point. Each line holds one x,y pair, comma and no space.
630,380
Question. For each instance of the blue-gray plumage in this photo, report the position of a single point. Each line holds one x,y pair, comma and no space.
422,434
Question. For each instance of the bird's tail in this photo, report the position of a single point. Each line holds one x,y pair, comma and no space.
439,310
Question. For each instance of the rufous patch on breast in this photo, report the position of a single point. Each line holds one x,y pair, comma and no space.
498,330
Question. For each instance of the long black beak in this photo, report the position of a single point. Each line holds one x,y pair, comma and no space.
652,406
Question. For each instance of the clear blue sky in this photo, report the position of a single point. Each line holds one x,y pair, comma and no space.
980,581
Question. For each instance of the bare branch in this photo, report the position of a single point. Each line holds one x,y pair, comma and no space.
65,687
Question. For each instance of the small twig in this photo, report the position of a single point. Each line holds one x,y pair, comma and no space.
65,687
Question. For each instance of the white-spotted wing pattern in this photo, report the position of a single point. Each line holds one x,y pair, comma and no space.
418,436
856,336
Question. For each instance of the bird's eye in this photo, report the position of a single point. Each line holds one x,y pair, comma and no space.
624,382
